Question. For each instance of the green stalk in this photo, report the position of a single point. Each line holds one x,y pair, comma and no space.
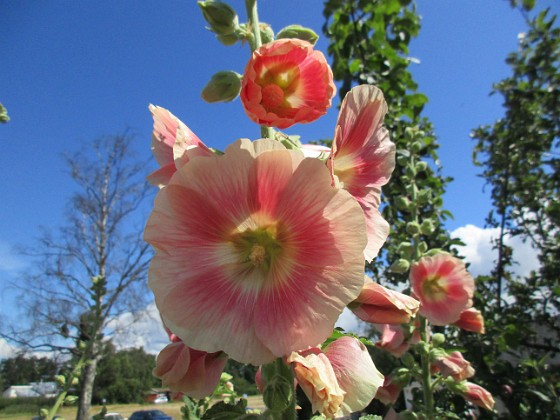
255,42
427,385
62,396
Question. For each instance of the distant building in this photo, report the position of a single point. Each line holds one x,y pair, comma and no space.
33,390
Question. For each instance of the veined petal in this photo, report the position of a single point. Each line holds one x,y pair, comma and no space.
237,265
355,372
443,286
379,305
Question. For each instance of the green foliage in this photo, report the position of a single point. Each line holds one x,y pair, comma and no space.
519,158
21,370
369,44
124,376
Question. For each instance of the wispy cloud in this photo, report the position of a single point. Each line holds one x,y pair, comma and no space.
479,253
10,260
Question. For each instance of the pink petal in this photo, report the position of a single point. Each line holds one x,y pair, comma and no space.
379,305
443,286
317,379
355,372
211,298
287,82
190,371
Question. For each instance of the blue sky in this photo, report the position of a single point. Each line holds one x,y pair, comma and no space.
73,71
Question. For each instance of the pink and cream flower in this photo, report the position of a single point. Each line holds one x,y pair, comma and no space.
338,380
192,372
443,286
363,157
471,320
478,396
390,391
287,82
379,305
256,253
395,339
173,145
454,365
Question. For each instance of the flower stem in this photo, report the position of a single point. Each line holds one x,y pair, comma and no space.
426,374
255,42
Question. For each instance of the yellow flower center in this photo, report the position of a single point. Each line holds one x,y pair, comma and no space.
434,288
257,248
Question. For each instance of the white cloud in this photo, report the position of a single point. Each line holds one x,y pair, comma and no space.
349,322
7,350
143,330
479,253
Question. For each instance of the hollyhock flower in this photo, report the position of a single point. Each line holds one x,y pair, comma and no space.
443,286
173,145
256,253
395,340
454,365
471,320
379,305
317,379
478,396
338,380
287,82
193,372
363,157
390,391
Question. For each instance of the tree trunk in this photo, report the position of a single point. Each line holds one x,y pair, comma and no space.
86,384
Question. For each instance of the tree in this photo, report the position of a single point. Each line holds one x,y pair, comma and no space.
124,376
520,162
21,370
94,267
369,44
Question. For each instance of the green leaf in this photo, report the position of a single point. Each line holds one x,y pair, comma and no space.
224,411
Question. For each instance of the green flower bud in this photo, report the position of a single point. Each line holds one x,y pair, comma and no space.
421,166
405,249
60,379
416,146
402,203
422,247
402,160
223,87
400,266
413,228
299,32
409,133
267,34
402,375
221,17
75,380
4,114
408,360
438,339
424,196
427,227
225,377
43,413
278,393
70,399
228,40
454,386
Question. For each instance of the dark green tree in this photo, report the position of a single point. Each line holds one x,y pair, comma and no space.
369,44
21,370
520,162
124,376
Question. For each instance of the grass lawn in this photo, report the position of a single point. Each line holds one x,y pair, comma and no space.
172,408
